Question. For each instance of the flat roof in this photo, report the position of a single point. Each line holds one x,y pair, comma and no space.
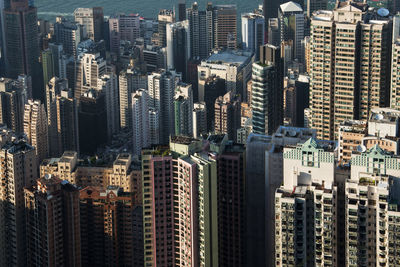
236,57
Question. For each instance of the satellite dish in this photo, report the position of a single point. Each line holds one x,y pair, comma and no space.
292,133
378,117
383,12
361,148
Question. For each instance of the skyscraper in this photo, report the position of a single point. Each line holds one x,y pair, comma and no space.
341,87
21,42
227,115
108,84
35,128
89,68
11,105
183,108
69,34
19,170
123,28
253,32
92,118
161,88
199,119
225,26
140,121
93,20
199,33
315,5
164,17
291,21
182,10
52,239
178,47
267,91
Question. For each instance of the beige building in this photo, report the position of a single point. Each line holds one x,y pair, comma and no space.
68,167
35,128
349,66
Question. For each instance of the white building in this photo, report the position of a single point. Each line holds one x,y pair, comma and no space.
253,32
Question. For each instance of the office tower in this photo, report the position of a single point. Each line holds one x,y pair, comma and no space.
225,25
315,5
93,21
271,7
47,65
274,36
198,32
227,115
341,88
108,84
164,17
178,47
140,121
371,209
89,68
130,80
183,109
154,58
161,88
210,89
69,34
19,170
182,10
123,28
306,207
11,105
264,174
67,122
21,42
267,96
199,119
92,118
108,227
232,66
291,21
35,128
52,223
253,32
158,209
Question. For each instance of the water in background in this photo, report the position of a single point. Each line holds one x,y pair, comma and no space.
49,9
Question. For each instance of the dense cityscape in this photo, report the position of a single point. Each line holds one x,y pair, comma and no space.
202,137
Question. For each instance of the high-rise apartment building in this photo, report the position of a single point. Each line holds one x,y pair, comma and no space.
306,207
18,170
264,174
267,91
123,28
199,119
130,80
110,227
21,42
140,121
349,46
178,47
165,17
69,34
183,108
227,115
292,24
253,32
108,84
93,21
89,68
199,33
53,234
161,88
12,102
35,128
92,119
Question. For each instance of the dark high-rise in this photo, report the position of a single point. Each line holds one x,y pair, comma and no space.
21,42
182,10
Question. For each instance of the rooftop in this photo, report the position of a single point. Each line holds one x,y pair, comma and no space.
291,7
384,115
235,57
184,140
